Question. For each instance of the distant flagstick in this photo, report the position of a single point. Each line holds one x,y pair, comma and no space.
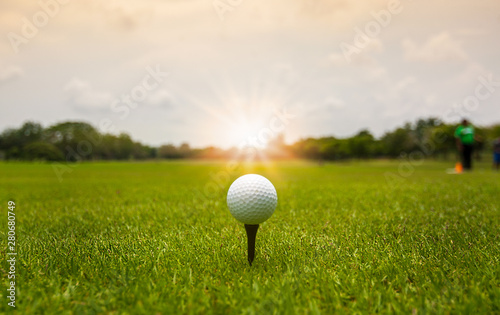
251,234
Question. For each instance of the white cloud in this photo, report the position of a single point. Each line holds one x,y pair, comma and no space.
81,94
337,59
404,83
374,45
122,15
399,96
10,73
472,31
440,47
160,97
359,55
431,100
469,75
285,73
376,72
334,102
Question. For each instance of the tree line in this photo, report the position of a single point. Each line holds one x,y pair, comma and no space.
430,137
74,141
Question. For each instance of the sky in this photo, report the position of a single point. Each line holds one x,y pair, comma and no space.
220,72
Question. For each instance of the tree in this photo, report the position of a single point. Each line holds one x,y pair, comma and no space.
168,151
42,151
494,131
12,140
184,150
399,141
77,140
124,147
423,127
361,145
441,141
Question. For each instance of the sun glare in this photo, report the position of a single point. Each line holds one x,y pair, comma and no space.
246,133
243,117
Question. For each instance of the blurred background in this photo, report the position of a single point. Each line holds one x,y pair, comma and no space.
326,80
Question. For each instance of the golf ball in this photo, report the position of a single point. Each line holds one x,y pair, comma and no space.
252,199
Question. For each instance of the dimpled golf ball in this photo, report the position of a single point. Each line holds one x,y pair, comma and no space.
252,199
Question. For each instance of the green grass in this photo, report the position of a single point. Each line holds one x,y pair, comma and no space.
143,238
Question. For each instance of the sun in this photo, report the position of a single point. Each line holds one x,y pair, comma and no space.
241,117
247,133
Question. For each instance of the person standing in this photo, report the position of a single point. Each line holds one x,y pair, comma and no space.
464,135
496,153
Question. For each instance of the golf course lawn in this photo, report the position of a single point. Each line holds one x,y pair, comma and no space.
157,237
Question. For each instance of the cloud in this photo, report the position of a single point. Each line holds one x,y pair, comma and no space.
441,47
334,102
376,72
124,18
470,74
339,13
10,73
405,83
82,95
358,55
160,97
431,100
396,90
472,32
285,73
337,59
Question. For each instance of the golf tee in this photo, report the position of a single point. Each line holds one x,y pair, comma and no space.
251,234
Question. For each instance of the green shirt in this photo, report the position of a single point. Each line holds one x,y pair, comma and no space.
465,134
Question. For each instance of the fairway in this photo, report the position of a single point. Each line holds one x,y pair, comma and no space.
158,238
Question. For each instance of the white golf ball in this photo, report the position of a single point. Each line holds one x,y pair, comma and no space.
252,199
